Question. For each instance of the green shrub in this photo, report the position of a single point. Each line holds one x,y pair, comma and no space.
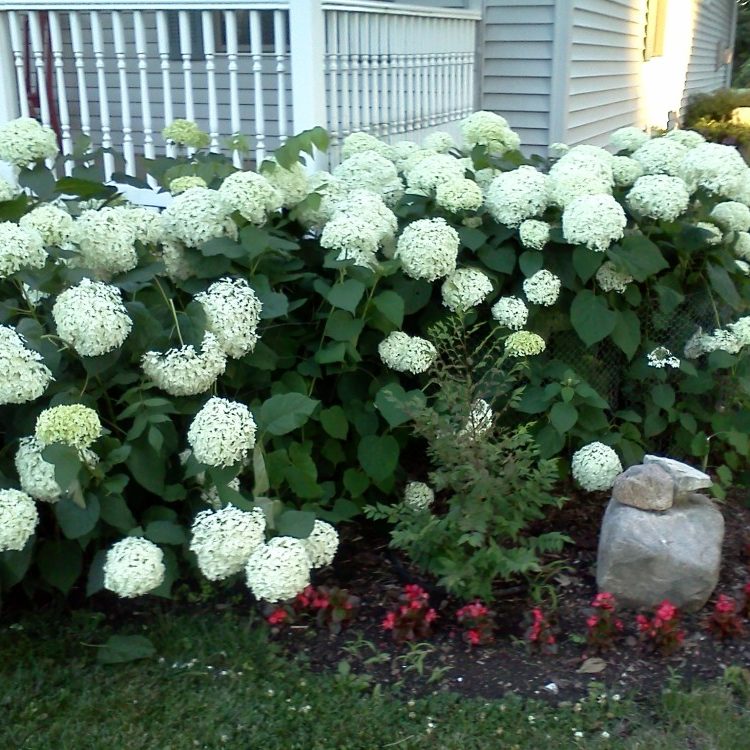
717,105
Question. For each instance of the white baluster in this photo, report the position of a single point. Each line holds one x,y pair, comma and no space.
62,92
141,51
209,55
402,74
186,53
332,43
373,44
76,40
366,100
122,73
14,27
256,53
434,94
345,63
37,51
162,35
230,27
280,54
354,47
101,78
385,70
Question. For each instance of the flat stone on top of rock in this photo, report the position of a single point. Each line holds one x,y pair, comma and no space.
645,486
686,478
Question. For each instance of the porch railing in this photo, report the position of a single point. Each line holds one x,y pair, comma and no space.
119,70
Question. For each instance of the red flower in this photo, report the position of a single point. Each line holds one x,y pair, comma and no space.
414,592
389,621
592,621
430,616
604,600
724,604
473,637
666,611
277,616
643,622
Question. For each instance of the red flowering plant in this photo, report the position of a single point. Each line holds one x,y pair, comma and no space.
476,621
540,635
412,617
603,625
663,629
724,622
331,607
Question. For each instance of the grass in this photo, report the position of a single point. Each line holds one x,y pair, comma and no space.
217,682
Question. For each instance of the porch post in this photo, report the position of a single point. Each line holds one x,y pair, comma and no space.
307,43
9,109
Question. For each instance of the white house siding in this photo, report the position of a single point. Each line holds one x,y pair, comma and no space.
517,66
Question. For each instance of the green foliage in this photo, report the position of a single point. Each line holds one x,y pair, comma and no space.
716,105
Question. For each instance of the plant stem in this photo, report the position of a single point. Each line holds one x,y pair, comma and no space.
170,305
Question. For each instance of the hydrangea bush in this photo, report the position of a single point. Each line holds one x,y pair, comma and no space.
261,343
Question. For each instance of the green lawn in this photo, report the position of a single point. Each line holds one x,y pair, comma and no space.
217,682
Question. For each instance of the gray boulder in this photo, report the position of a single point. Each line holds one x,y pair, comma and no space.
645,557
686,478
645,486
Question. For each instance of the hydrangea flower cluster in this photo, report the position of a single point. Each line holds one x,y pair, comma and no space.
459,195
184,371
25,376
661,156
91,318
7,191
405,353
75,425
181,184
490,130
524,344
147,224
518,195
53,224
359,142
543,288
661,357
432,171
732,216
742,245
439,141
232,315
36,476
534,234
106,241
133,566
625,171
465,288
595,467
717,168
222,432
199,215
176,261
252,195
688,138
658,196
510,312
24,141
628,138
186,133
595,221
279,570
321,544
583,170
610,279
713,235
223,540
291,182
428,249
370,171
20,248
418,496
18,520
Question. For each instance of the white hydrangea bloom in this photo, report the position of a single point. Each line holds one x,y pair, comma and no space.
694,345
25,377
359,142
252,195
222,432
322,544
732,216
418,496
479,421
53,224
595,221
210,495
661,156
75,425
279,570
181,184
402,150
36,476
518,195
688,138
33,296
510,312
610,279
370,171
106,241
91,318
184,371
717,168
355,237
411,159
428,249
458,196
661,357
372,207
628,138
721,340
223,540
291,183
133,567
524,344
465,288
595,467
24,141
18,520
232,314
490,130
742,266
20,248
147,223
484,178
534,234
557,150
7,191
584,170
186,133
405,353
741,191
658,196
625,171
543,288
433,170
439,141
715,234
742,245
176,262
200,214
741,329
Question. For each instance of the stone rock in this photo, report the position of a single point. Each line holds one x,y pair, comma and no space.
645,486
645,558
686,479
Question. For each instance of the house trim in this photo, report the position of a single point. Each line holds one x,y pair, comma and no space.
560,78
